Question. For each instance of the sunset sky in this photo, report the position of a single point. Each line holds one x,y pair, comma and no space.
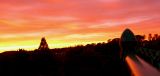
71,22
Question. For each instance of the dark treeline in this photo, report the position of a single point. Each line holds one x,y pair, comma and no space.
101,59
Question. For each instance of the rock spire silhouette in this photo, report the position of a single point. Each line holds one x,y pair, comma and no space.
43,44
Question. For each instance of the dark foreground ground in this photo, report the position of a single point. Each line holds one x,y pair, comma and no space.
101,59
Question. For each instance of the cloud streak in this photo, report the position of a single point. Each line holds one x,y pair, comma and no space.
79,19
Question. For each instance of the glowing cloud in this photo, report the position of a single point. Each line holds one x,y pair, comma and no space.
63,19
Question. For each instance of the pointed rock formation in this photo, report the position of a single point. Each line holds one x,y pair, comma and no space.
43,44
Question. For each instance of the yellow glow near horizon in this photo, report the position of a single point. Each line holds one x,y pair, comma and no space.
31,45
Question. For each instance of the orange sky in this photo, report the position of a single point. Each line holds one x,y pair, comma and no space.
72,22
